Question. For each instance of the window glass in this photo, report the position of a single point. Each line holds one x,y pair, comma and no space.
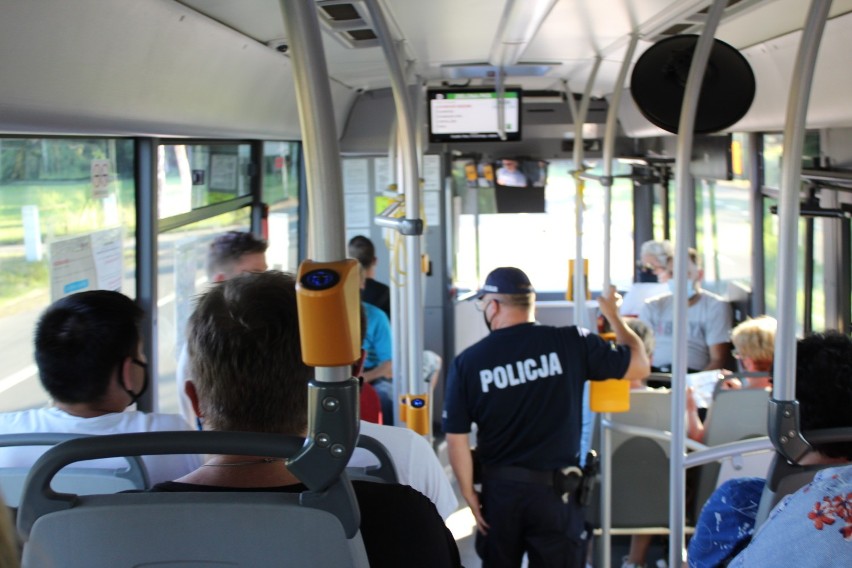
723,232
196,175
67,223
182,276
281,194
542,243
773,145
770,238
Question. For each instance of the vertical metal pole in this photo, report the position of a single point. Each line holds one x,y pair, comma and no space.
408,142
807,323
147,215
758,267
319,141
397,309
685,227
784,383
580,316
609,152
606,181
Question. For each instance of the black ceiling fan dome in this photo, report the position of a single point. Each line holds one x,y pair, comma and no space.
659,78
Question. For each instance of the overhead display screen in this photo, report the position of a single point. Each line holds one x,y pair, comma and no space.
470,115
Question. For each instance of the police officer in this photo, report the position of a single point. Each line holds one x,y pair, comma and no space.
523,387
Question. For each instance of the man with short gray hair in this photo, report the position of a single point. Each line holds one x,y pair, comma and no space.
523,387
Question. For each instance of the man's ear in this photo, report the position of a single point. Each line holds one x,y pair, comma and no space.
219,277
192,395
125,379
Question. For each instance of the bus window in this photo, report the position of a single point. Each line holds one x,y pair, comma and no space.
182,276
723,232
281,194
52,190
506,239
192,176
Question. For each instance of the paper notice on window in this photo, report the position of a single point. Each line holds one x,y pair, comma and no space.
382,174
356,208
87,262
431,172
432,208
355,175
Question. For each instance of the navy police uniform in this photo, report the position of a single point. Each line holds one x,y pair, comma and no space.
523,387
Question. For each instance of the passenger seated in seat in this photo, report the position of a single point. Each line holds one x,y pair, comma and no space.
248,375
754,346
824,392
90,360
809,528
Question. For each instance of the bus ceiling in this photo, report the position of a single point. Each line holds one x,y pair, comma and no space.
202,68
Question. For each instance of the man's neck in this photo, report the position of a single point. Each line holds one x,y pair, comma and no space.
87,410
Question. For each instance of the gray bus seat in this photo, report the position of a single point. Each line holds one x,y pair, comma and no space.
81,480
186,529
734,415
785,478
640,468
385,471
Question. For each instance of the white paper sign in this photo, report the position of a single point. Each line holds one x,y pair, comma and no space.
431,172
101,179
355,175
357,210
382,174
88,262
432,208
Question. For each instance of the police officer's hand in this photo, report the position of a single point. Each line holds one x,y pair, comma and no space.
475,508
608,303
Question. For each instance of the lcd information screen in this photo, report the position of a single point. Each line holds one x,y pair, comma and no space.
471,115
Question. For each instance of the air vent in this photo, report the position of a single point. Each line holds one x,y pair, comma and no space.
693,23
348,22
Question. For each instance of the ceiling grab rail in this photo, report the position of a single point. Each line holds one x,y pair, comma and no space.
685,227
581,318
412,225
327,288
606,181
784,426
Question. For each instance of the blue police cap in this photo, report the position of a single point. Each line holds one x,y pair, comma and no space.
506,280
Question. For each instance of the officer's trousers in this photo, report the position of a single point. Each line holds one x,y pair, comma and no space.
531,518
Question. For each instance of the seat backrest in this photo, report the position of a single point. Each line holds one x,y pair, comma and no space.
79,480
640,465
186,529
784,478
385,470
734,415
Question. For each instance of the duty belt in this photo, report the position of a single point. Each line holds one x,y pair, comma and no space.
564,481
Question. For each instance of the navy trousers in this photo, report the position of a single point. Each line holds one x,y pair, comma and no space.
531,518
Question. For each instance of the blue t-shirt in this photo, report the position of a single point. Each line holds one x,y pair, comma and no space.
726,520
377,341
523,387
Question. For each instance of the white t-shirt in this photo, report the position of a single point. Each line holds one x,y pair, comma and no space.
708,323
416,464
635,298
54,420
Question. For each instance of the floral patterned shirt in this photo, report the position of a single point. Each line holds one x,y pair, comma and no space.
810,528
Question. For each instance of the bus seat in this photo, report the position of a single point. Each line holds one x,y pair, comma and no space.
640,468
187,529
785,478
385,471
82,480
734,415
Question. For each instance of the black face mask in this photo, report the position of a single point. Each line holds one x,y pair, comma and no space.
134,396
647,275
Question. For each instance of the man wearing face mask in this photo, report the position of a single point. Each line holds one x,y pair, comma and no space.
89,354
708,322
523,387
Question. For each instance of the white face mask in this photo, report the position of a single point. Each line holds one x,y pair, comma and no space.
689,286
